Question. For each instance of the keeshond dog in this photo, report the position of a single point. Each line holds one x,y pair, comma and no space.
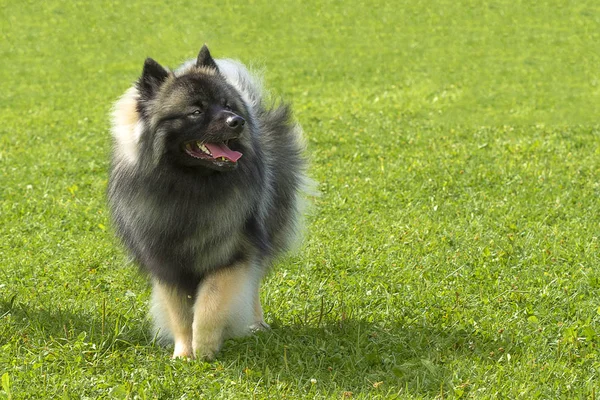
204,191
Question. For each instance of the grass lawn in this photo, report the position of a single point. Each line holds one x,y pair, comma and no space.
453,252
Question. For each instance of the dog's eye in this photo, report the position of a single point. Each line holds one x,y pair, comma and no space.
227,107
196,113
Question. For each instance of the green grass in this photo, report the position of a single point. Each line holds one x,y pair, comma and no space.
453,252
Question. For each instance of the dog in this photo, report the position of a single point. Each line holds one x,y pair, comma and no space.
204,191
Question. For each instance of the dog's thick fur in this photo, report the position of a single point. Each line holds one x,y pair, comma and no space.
206,230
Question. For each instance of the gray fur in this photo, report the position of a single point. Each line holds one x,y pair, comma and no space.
181,223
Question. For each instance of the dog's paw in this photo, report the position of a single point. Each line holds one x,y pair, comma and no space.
183,350
207,346
180,352
260,326
206,354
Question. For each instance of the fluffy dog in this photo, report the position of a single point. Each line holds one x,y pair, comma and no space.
204,192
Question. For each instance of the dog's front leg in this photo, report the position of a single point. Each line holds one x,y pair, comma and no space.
224,307
173,310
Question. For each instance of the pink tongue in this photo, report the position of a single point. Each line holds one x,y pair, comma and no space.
220,150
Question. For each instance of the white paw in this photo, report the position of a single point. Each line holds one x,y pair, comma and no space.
183,350
260,326
207,345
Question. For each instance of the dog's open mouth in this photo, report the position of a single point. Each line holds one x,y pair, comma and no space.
218,154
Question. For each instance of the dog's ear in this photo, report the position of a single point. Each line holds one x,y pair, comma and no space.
205,60
153,76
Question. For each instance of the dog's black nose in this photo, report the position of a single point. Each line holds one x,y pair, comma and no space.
235,122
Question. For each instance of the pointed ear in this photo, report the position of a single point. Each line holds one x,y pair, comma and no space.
153,76
205,59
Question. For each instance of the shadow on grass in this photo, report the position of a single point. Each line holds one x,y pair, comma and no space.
66,325
364,358
355,356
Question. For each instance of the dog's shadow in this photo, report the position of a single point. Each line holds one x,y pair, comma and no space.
351,355
365,357
101,328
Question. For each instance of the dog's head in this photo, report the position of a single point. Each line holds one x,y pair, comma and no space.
193,119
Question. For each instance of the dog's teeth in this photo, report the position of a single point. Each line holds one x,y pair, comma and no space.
202,147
